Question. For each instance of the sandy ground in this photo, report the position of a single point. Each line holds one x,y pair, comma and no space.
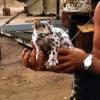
20,83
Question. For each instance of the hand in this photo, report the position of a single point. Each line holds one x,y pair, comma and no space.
70,60
29,59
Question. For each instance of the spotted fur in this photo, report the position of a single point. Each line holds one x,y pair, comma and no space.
48,38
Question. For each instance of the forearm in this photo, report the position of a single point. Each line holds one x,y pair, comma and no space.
95,68
96,41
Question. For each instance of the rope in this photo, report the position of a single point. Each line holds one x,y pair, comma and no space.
80,30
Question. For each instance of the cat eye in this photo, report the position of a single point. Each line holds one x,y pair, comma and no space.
42,34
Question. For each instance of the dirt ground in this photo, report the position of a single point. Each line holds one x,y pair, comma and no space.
18,82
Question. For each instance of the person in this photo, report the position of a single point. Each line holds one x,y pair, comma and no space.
41,7
86,67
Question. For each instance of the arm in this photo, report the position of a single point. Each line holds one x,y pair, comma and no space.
71,60
96,41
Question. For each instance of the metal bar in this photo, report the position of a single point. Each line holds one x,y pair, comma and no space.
58,3
17,27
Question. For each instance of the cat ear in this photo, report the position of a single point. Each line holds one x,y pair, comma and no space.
51,21
36,22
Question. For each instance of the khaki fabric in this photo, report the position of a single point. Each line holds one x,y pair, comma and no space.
37,8
49,6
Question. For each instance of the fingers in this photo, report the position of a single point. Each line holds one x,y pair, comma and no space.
33,59
33,55
29,59
61,66
26,59
24,52
63,51
62,58
41,61
64,68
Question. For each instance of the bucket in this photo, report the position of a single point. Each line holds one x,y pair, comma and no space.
6,12
85,41
65,19
77,19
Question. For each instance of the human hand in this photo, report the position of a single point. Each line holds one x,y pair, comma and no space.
29,59
70,60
